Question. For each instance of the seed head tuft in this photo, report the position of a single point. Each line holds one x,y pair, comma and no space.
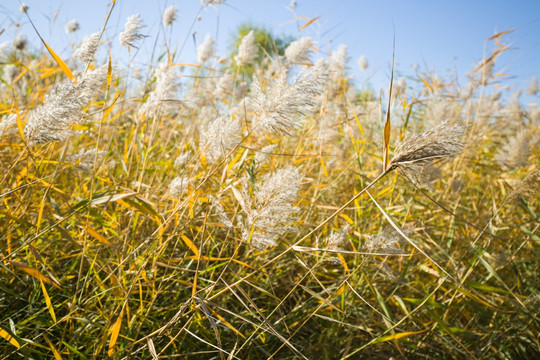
131,32
169,15
413,154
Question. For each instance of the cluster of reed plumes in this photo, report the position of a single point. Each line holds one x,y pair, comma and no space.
262,207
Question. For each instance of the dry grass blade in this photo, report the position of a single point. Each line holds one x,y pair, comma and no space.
211,345
387,123
404,236
56,58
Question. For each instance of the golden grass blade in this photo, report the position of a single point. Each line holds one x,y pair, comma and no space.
188,64
34,273
190,245
56,58
351,108
109,71
426,299
20,126
311,21
40,213
227,324
55,352
115,331
59,61
111,107
10,339
426,83
498,35
48,301
400,232
97,236
397,336
387,124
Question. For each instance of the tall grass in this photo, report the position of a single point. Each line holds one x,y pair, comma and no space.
262,207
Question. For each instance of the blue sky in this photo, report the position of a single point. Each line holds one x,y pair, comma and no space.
436,35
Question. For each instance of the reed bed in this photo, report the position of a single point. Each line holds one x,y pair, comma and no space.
257,204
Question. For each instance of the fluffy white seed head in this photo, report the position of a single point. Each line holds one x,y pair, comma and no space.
62,108
85,159
401,85
363,63
417,152
222,216
272,208
72,26
277,108
514,152
164,97
213,3
7,124
528,188
9,72
182,159
4,51
86,51
206,50
263,155
131,31
222,135
169,15
178,186
387,241
299,51
19,42
534,86
224,86
247,51
336,239
338,63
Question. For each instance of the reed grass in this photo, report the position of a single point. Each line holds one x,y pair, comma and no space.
242,213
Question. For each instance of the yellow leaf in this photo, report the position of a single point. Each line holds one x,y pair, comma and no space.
111,107
10,339
355,116
426,83
498,35
323,166
59,61
387,125
48,301
347,218
190,244
187,64
227,324
97,236
19,121
396,336
56,58
207,258
56,354
34,273
311,21
40,213
387,132
194,287
115,331
344,263
109,72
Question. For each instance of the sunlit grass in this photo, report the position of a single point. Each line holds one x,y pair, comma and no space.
151,230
